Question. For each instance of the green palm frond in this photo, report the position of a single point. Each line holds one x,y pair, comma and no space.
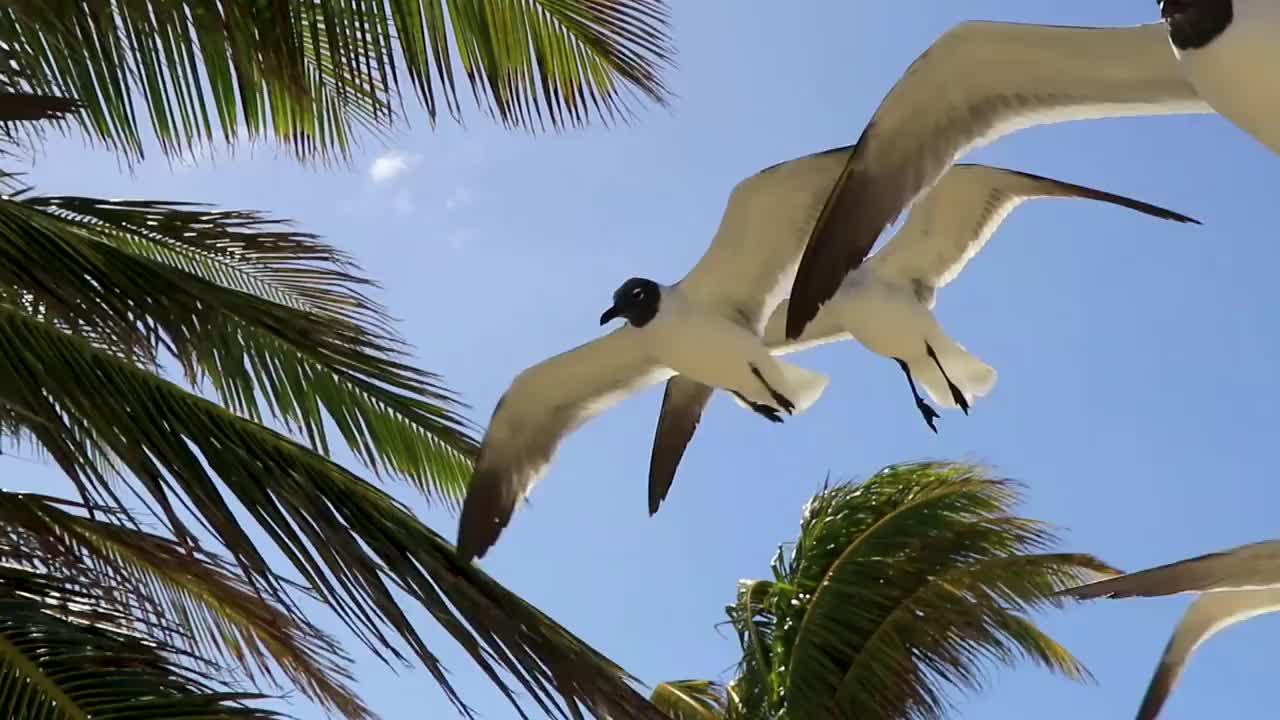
269,317
756,690
348,540
67,653
311,73
216,614
690,700
899,588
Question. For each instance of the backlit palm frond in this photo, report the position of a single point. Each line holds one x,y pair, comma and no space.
70,653
756,692
909,584
225,296
348,540
213,612
309,74
690,700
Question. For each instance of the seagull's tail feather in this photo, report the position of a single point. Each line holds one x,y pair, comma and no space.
974,377
802,386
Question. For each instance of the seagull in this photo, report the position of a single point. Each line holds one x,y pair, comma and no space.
707,327
980,81
886,304
1235,585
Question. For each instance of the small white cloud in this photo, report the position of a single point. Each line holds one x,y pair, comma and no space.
402,203
389,165
458,199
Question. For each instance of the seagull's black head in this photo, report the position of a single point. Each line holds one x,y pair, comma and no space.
637,301
1195,23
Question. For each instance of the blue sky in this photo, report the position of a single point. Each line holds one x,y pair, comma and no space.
1136,357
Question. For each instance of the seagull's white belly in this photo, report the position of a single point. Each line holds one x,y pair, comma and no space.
707,348
887,319
1238,73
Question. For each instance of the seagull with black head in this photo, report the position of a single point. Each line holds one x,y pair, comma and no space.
707,328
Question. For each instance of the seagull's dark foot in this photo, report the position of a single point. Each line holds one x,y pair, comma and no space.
783,401
926,410
956,394
769,412
929,414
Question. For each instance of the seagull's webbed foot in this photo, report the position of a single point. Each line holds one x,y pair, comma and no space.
783,401
769,412
926,410
928,413
956,394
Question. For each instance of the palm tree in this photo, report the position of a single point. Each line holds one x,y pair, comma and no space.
313,75
174,359
897,589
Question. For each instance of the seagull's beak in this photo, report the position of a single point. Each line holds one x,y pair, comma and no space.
610,314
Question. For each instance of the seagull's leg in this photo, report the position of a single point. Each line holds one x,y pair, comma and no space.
783,401
955,391
770,413
925,408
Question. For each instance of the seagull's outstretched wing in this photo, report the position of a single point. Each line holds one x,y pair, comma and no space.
1248,567
953,220
544,404
1210,613
752,258
977,82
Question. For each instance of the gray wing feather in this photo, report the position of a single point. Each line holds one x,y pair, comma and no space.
682,406
977,82
1256,565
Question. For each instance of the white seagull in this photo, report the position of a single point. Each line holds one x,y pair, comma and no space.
980,81
1235,585
886,304
707,327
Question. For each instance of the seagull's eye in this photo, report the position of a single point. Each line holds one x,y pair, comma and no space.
637,293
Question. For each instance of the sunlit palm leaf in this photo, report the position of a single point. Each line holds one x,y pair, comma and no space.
218,616
208,287
690,700
310,73
346,538
757,690
64,655
903,586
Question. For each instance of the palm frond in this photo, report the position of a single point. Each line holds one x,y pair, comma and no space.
311,74
690,700
65,654
216,614
757,689
909,584
269,318
28,107
346,538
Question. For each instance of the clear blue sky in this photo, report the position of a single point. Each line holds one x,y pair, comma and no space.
1137,358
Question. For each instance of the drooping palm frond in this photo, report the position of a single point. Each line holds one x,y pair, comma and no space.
270,318
349,541
900,588
310,73
690,700
214,613
71,653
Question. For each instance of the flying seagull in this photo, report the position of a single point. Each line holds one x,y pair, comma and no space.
707,327
980,81
886,304
1235,585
